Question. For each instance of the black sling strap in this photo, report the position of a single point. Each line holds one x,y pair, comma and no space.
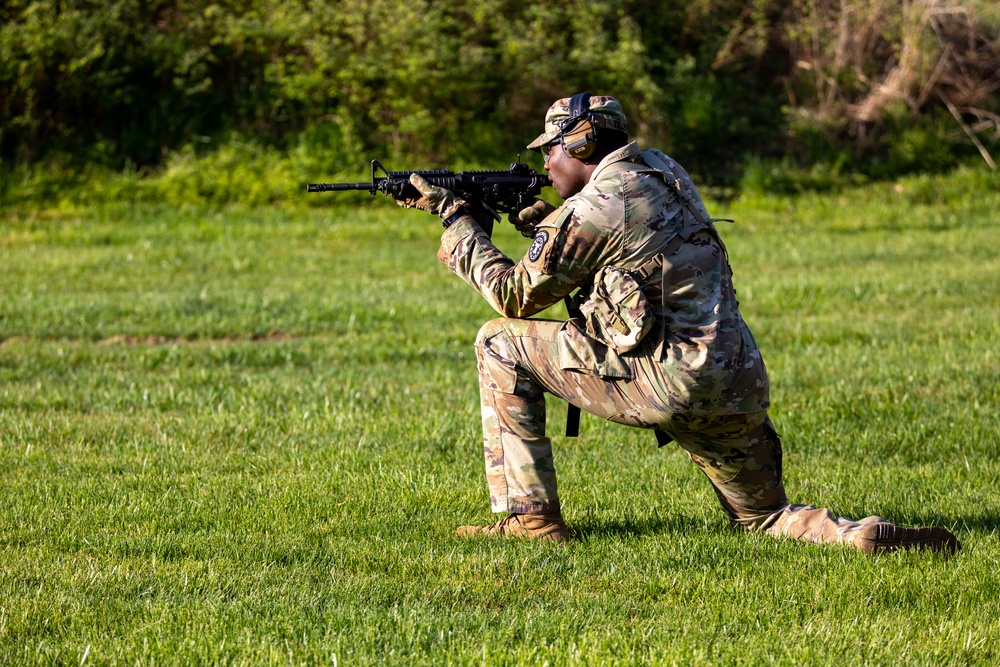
572,411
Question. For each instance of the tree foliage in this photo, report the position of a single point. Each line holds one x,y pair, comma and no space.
128,82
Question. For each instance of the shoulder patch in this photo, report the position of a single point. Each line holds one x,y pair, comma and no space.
535,251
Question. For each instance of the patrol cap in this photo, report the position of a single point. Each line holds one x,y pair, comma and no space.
607,113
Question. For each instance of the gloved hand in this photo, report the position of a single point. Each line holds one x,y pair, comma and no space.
528,218
433,199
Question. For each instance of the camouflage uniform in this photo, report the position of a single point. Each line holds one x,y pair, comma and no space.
684,362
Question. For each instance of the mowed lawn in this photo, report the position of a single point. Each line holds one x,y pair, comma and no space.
246,436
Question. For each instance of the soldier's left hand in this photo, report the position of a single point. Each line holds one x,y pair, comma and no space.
433,199
528,218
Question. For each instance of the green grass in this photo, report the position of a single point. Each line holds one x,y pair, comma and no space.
245,437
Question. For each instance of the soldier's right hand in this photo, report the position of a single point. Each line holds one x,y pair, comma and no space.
528,218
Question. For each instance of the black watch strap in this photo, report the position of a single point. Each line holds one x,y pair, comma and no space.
451,219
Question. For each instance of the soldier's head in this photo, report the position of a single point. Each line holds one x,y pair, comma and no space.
579,132
583,125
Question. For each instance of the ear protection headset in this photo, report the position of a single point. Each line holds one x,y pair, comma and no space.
578,134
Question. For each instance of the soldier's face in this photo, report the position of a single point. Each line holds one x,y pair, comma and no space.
568,174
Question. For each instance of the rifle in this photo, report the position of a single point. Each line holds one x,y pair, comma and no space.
488,192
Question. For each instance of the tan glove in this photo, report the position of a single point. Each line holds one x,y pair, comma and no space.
432,198
528,218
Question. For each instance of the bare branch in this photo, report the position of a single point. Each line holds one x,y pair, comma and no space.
968,130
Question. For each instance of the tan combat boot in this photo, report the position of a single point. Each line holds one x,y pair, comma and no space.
883,536
539,526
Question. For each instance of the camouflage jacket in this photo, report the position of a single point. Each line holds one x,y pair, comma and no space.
699,355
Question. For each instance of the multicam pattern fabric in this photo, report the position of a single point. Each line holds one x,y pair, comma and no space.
622,219
618,313
607,112
706,386
739,454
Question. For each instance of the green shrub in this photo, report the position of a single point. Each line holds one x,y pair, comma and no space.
146,85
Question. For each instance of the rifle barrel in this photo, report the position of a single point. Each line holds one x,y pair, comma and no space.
337,187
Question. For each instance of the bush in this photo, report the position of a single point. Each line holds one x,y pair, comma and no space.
720,84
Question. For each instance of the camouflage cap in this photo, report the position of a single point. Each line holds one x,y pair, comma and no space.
607,112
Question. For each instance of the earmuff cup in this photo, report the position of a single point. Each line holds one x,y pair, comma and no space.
581,141
579,135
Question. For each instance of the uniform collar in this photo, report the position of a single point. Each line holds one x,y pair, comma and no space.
624,153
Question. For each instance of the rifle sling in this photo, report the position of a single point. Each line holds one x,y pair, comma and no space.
572,420
572,411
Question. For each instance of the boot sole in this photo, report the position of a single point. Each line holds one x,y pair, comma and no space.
886,537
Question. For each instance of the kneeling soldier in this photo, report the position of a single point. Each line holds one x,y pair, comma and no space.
656,339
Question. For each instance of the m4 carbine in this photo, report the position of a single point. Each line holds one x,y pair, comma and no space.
488,192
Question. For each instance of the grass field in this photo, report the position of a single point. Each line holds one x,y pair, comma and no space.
246,436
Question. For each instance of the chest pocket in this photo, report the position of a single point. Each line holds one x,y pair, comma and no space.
617,312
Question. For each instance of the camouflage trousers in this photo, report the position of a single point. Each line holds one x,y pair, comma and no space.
518,362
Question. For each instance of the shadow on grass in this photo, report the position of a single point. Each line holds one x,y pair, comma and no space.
987,522
596,527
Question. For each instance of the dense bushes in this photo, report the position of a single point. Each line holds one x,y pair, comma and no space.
874,88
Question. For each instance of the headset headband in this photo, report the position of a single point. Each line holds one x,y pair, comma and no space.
579,104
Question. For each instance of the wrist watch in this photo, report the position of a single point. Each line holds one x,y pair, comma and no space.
451,219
